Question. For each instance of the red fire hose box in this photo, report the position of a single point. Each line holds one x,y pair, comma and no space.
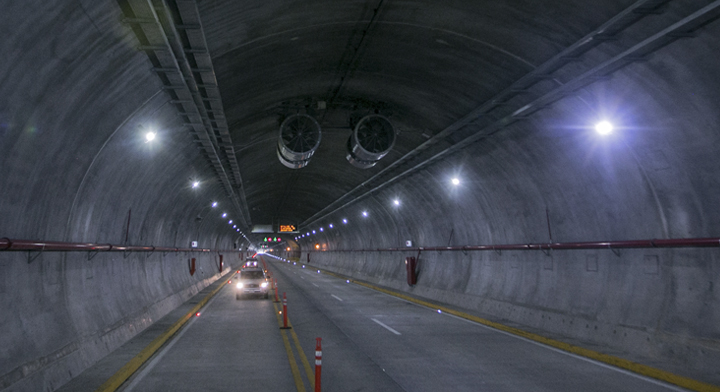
410,264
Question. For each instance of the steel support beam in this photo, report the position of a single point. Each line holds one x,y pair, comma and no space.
683,27
163,41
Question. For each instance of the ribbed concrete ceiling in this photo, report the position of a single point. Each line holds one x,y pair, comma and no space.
423,64
92,76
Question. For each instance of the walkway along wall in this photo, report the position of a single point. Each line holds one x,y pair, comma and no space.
64,311
645,303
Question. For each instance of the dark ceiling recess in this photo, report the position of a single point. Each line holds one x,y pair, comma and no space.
372,138
299,138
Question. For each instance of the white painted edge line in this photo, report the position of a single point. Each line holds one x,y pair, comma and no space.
315,285
386,327
336,297
598,363
159,355
601,364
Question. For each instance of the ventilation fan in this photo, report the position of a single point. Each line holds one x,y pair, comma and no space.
372,139
299,138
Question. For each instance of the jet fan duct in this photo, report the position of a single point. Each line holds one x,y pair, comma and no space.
299,138
372,139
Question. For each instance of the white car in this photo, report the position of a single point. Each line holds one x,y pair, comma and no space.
252,281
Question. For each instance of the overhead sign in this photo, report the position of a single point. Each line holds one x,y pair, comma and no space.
287,228
263,229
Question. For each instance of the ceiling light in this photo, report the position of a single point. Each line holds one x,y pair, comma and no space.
224,214
150,136
195,184
330,226
344,221
235,227
396,202
230,222
214,204
321,229
456,181
365,213
313,231
604,128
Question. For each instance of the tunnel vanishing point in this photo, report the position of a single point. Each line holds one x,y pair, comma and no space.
550,165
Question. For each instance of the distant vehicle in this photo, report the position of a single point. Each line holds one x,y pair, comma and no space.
252,281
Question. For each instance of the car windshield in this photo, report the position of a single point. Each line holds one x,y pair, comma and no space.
251,275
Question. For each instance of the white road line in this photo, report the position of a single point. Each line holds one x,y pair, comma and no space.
386,327
336,297
315,285
159,355
580,357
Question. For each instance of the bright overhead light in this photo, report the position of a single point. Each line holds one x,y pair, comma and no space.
195,184
604,128
330,226
224,214
321,229
396,202
456,181
313,231
235,227
365,213
345,221
150,136
214,204
230,222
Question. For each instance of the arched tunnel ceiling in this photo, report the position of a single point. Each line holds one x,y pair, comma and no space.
445,74
422,64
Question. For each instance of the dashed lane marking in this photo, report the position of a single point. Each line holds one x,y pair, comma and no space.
385,326
616,363
336,297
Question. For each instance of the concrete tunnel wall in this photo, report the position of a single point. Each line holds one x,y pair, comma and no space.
74,163
75,166
654,178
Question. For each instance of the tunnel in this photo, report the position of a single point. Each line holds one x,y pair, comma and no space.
471,195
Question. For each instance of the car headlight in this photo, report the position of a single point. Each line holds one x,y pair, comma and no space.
263,284
240,285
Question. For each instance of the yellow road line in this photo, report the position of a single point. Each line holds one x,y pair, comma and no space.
303,358
117,379
648,371
291,358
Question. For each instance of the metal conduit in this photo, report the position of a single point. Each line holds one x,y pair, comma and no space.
634,244
7,244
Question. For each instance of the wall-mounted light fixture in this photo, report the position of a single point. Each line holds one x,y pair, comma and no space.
604,128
